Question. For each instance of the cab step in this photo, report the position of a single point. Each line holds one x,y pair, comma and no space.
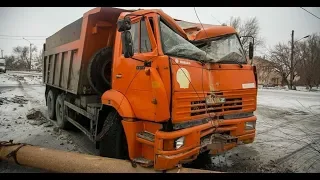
146,135
143,161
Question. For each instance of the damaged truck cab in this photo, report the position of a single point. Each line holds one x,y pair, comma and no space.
135,84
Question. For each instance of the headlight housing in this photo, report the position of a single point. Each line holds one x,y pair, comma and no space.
250,125
178,143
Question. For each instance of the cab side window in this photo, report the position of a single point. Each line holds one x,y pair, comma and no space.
135,36
140,37
145,45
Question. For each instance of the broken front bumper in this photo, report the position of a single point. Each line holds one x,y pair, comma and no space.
195,141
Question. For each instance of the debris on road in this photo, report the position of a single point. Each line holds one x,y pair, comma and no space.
34,114
62,137
48,125
56,129
3,100
38,118
16,99
19,100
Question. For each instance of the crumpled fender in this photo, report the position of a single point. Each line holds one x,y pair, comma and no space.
119,102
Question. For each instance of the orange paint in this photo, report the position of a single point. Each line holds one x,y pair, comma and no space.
160,82
151,88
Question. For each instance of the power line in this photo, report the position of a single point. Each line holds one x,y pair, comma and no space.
20,36
23,39
216,19
310,12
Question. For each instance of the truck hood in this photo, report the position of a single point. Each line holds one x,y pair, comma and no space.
210,90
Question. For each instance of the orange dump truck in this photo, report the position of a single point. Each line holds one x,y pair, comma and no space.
140,88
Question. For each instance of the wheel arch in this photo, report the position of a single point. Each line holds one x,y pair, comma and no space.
119,102
114,100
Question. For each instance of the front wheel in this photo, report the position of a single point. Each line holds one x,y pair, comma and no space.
114,143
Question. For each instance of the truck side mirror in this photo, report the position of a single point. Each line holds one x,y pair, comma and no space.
124,24
127,44
250,50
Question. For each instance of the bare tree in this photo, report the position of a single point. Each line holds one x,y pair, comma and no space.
279,56
9,61
309,55
23,54
249,27
39,61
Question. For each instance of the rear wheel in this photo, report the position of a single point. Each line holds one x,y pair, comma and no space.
51,101
114,143
61,122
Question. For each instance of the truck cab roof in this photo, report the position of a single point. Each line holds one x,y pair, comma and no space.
196,31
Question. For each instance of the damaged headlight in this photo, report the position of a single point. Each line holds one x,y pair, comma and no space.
179,142
250,125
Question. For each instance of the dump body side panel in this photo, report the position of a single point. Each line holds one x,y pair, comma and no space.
61,58
68,52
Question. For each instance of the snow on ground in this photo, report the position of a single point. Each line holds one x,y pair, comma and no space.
305,101
287,139
7,81
26,93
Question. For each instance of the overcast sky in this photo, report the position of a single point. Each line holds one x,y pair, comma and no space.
276,23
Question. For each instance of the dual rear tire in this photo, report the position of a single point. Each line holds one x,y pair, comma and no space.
55,102
113,144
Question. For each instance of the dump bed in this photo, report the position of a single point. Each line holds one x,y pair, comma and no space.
67,53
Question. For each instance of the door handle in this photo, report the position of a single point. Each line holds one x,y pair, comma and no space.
119,76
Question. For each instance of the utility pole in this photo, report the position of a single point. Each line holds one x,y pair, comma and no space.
1,53
291,69
30,57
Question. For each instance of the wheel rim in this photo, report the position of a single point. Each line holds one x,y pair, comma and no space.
49,104
59,110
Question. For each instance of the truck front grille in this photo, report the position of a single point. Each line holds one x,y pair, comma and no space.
200,107
192,106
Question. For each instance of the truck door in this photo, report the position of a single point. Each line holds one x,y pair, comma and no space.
129,74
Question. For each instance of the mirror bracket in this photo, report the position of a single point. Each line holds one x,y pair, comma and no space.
124,24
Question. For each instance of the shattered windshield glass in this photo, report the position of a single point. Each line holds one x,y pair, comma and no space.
224,49
175,45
